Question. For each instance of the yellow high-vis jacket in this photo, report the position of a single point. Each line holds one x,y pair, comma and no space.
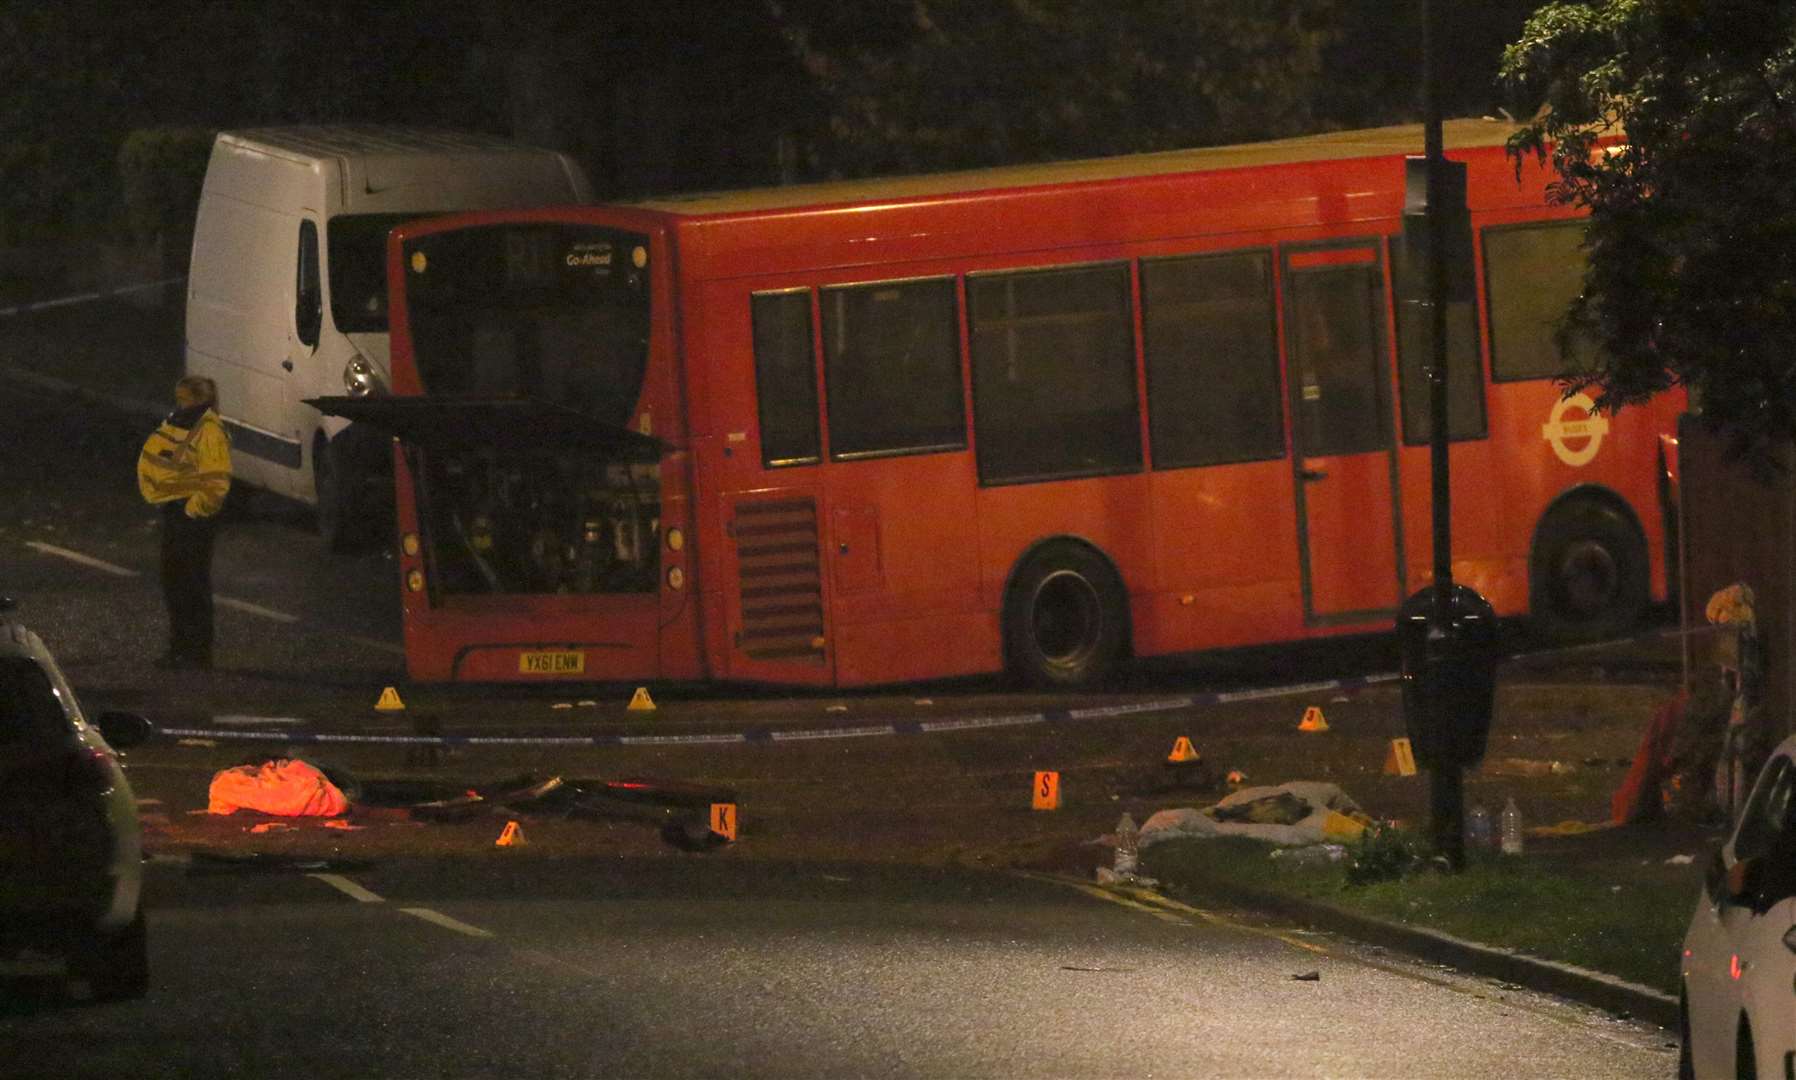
187,463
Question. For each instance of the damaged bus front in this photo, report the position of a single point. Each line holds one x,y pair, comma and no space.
540,514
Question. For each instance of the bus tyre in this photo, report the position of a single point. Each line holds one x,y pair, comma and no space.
1589,574
339,523
1065,619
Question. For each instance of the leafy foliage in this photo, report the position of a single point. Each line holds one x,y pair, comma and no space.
161,170
1382,853
1674,123
954,83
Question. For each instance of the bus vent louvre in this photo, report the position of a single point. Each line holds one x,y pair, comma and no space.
780,577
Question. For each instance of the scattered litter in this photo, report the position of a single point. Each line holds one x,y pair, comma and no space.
836,708
1525,767
339,823
1299,812
220,862
1310,855
1338,699
284,787
1307,976
1106,876
204,743
924,701
562,705
1680,860
1236,778
587,703
270,826
1615,888
836,878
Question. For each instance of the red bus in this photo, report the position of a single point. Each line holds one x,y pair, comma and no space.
1037,418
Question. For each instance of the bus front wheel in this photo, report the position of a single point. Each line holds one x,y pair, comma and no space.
1589,573
1065,620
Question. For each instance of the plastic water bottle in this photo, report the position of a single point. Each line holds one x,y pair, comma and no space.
1128,846
1477,828
1512,828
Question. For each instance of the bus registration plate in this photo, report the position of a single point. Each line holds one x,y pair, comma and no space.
552,663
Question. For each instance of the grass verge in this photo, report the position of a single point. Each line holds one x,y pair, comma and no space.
1620,911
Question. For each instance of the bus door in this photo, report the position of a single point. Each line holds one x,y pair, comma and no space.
1348,526
778,622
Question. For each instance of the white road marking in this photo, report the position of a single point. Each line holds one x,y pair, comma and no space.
235,720
348,888
446,922
82,298
84,560
254,609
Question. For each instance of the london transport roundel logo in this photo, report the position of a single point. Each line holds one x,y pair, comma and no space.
1575,429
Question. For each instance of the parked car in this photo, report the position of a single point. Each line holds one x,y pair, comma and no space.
71,853
1738,1003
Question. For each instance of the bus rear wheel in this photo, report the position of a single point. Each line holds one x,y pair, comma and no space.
1589,573
1065,620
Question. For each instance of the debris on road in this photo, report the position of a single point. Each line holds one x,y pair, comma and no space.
1307,976
1299,812
283,787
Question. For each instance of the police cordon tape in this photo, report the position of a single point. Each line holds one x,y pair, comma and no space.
896,727
774,735
87,297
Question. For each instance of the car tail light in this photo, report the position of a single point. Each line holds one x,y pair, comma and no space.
89,772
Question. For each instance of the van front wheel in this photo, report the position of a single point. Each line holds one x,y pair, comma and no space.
339,522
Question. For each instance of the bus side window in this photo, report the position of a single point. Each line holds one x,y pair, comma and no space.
1532,273
1054,373
786,378
1415,352
1212,360
891,369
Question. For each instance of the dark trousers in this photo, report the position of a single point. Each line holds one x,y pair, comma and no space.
187,580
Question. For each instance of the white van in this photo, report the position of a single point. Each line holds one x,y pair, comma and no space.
286,294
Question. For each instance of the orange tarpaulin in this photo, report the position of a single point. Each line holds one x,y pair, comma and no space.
285,788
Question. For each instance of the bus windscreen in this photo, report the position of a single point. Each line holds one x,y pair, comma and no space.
551,311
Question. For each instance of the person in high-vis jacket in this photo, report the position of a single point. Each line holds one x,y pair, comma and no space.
185,468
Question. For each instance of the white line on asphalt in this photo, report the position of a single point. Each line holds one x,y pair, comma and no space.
77,557
254,609
446,922
383,646
347,888
235,720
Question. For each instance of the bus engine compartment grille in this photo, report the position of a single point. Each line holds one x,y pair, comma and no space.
781,578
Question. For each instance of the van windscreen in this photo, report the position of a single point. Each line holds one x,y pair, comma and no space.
550,311
358,270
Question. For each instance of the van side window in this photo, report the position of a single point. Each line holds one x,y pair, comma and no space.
308,305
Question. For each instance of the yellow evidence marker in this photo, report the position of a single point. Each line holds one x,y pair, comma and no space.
1182,752
510,836
723,819
1313,720
389,701
1047,791
641,702
1400,760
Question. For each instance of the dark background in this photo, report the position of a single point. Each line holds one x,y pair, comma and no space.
109,109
